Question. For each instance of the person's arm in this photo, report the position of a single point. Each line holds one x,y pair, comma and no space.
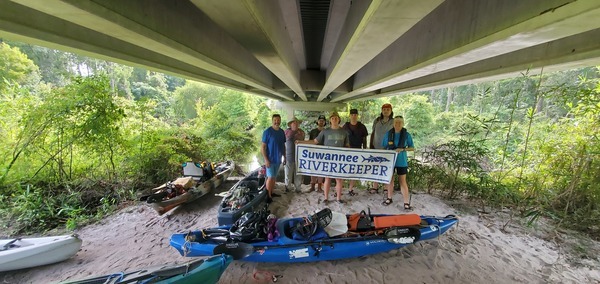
283,151
371,144
364,140
409,143
312,142
384,141
263,151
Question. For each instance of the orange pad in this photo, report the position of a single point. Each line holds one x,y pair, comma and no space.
396,221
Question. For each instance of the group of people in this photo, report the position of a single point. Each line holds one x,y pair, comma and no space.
388,133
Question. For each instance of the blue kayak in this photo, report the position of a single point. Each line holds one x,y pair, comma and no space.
198,271
287,249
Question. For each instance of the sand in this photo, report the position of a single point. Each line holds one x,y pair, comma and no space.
478,250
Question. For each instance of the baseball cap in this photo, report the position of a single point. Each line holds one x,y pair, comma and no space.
353,111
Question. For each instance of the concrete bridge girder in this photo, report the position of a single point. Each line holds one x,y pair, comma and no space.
368,49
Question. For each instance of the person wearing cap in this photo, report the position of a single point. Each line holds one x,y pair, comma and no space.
321,122
273,151
382,124
357,135
399,140
334,136
292,133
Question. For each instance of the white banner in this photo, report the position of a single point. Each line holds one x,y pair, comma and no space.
346,163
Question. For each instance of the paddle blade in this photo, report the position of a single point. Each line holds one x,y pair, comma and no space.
338,224
236,250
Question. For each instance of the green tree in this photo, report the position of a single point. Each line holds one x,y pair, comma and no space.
53,65
228,125
15,67
184,101
418,114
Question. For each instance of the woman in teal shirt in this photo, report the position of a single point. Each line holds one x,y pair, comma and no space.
399,140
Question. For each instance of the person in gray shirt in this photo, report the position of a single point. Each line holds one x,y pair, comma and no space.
381,126
292,134
334,136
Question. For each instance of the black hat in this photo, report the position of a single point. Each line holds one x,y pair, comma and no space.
321,117
353,111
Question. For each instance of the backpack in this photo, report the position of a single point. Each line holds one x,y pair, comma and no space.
250,227
359,222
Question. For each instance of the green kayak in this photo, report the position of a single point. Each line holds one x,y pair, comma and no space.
207,270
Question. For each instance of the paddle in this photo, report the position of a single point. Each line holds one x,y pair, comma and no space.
338,224
236,250
396,235
7,245
156,197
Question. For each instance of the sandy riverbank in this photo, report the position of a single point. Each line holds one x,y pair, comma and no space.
477,251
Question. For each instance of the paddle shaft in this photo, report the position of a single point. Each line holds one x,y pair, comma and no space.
7,245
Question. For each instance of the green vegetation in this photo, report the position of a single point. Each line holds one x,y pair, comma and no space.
80,136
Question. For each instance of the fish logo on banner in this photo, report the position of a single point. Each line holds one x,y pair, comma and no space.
346,163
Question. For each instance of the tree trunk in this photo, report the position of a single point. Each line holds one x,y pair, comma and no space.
539,105
450,92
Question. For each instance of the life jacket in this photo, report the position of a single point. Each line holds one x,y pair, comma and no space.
401,144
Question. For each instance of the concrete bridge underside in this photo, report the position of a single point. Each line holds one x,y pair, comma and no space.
307,51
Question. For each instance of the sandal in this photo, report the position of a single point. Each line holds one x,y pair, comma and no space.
341,201
407,206
374,190
352,193
387,202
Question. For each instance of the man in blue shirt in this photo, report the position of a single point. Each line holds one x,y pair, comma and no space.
399,140
273,151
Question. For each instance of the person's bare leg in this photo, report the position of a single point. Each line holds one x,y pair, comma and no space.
390,189
338,187
404,189
327,186
351,185
270,185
